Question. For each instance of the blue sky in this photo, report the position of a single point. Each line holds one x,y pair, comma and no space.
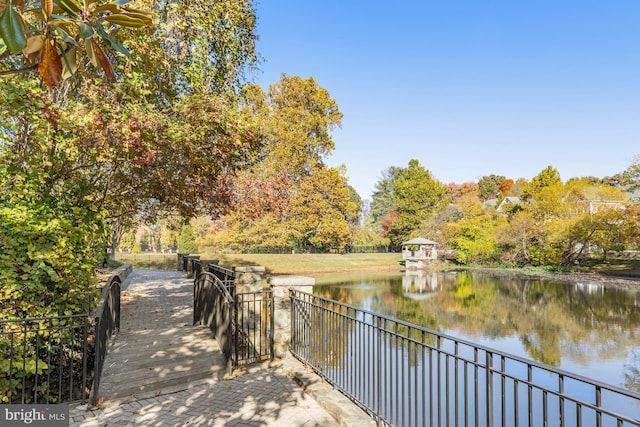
469,88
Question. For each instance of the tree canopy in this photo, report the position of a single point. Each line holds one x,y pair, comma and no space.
120,120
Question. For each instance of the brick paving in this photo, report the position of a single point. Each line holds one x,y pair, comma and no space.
265,395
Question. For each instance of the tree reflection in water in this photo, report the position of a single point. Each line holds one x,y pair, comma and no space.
580,325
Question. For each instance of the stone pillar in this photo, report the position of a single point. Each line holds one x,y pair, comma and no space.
249,279
280,286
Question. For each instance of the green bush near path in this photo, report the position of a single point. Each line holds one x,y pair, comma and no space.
276,263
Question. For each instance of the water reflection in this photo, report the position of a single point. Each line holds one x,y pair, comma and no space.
585,328
419,284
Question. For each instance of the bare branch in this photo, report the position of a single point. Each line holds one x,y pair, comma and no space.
19,70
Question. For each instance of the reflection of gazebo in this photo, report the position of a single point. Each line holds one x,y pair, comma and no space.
417,252
419,284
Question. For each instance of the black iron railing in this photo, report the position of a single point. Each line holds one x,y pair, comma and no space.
242,324
224,274
406,375
44,360
107,322
213,306
253,340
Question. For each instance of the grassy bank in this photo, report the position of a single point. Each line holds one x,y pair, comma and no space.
326,263
276,263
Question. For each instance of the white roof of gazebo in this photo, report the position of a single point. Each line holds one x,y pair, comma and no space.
419,241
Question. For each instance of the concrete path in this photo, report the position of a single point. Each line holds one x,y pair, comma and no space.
161,371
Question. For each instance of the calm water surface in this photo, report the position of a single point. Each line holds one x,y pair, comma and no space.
584,328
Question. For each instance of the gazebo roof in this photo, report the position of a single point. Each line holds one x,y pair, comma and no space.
419,241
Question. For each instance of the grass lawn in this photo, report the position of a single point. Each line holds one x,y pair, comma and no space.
615,267
327,263
276,263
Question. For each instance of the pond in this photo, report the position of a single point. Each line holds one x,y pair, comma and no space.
584,328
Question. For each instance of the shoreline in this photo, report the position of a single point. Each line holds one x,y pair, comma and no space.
609,280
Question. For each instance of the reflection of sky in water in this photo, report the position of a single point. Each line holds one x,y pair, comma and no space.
590,356
608,371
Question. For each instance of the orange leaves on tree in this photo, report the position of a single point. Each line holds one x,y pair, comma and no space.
50,66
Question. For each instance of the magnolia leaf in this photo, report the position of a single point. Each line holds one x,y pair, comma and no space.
88,47
69,6
47,6
104,61
65,36
124,20
145,17
50,67
33,48
115,43
109,7
86,31
34,44
57,17
12,30
70,65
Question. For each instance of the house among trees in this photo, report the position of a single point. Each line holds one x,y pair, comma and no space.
418,253
507,204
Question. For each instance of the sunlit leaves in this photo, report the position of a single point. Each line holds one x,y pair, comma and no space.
211,43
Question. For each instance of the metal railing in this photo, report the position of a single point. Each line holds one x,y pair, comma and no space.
254,331
44,360
57,359
227,276
242,324
182,262
213,306
107,322
406,375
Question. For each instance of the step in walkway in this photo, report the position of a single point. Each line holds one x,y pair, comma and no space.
162,371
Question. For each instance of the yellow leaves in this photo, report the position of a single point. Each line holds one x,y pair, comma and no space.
50,67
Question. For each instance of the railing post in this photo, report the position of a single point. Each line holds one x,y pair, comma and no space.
378,325
282,309
489,364
97,367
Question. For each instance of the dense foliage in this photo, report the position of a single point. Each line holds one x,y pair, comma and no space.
83,157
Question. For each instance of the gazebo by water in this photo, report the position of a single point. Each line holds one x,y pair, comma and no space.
418,252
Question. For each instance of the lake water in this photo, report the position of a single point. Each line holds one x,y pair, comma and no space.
584,328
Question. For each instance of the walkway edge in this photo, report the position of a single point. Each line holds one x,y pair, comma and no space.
339,406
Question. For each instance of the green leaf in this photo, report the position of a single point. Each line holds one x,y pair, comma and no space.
65,36
115,43
12,30
57,17
86,32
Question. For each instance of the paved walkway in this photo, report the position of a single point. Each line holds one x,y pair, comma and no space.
157,303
